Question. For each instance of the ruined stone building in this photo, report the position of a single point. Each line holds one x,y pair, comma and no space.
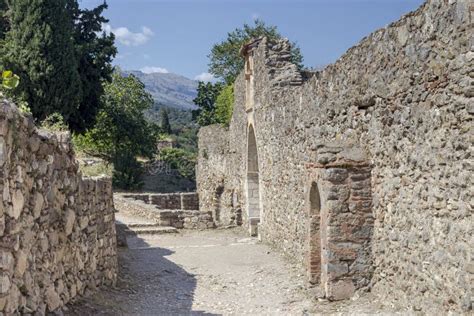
362,172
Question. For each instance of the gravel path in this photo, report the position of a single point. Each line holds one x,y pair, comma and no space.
200,273
212,272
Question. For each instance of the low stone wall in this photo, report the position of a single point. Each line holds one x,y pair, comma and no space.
168,201
185,219
179,210
57,232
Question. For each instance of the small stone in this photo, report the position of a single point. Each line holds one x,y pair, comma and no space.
18,202
21,263
2,151
52,299
70,218
4,283
38,203
6,260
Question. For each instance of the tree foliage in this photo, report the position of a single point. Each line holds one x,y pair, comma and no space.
225,60
94,50
165,121
215,104
205,100
181,160
39,48
225,105
121,132
4,21
58,52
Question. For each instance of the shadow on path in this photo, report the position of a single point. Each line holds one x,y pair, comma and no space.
148,284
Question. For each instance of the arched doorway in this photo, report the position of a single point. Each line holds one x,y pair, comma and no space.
314,232
253,191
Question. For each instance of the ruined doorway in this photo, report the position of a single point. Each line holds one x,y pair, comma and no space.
253,190
314,235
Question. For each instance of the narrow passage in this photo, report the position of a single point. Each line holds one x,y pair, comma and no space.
210,272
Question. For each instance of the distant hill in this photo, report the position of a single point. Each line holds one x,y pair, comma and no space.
168,89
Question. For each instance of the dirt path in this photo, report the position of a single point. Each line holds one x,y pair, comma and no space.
213,272
201,273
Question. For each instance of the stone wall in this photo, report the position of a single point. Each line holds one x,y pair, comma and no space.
216,195
403,95
168,201
179,210
57,230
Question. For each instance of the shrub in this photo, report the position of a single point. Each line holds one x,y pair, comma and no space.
128,172
182,161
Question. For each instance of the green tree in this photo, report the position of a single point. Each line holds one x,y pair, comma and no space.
94,50
205,100
4,22
225,60
225,105
40,49
165,121
121,132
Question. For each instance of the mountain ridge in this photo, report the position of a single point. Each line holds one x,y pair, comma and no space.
168,89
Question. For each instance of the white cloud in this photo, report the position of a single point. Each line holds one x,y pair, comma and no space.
206,77
127,37
122,56
150,70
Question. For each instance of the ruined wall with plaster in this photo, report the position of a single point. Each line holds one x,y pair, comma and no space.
57,229
404,96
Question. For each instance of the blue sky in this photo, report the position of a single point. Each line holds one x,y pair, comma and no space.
176,35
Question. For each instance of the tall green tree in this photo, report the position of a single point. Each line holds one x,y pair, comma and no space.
95,51
206,102
121,132
4,22
40,49
225,60
165,121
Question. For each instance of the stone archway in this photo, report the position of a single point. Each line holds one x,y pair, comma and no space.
253,189
314,234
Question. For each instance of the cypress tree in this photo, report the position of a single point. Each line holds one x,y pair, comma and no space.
95,52
165,122
40,49
4,23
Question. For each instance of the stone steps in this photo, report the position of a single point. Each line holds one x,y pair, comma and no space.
143,225
152,230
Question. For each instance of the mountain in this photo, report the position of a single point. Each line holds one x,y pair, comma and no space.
169,89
